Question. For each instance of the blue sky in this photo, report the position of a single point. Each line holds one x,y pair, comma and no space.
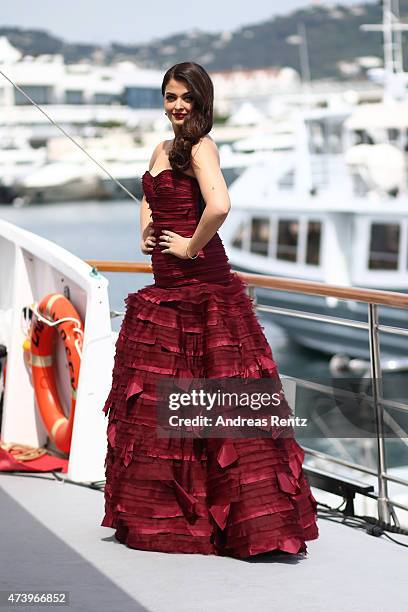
130,21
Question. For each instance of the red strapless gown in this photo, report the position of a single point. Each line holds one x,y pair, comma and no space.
227,497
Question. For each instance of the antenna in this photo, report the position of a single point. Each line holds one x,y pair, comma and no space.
300,40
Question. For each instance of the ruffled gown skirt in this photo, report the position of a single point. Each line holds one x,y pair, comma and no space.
234,497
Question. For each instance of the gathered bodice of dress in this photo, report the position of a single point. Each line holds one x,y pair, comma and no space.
173,198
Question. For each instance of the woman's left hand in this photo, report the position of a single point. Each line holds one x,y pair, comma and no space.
176,244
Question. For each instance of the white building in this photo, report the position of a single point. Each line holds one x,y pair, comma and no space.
75,94
84,94
258,85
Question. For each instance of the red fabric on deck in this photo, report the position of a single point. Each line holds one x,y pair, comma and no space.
45,463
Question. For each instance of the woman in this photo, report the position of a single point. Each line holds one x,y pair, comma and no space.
234,497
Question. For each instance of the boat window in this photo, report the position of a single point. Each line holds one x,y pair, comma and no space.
316,137
238,237
260,235
288,231
393,134
384,246
314,231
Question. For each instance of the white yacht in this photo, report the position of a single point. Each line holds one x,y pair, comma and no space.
17,159
328,215
69,175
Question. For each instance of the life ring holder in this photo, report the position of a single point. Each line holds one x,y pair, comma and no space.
55,313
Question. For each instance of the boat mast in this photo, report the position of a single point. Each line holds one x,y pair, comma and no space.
304,55
394,77
399,57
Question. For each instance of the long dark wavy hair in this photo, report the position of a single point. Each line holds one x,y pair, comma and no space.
200,119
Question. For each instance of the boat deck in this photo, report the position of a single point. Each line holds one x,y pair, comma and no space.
52,540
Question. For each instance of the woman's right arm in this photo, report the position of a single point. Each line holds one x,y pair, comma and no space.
148,240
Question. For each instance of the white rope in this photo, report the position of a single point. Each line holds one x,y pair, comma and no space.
78,350
34,308
51,120
77,329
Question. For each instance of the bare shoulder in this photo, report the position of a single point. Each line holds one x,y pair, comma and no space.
204,150
161,146
206,142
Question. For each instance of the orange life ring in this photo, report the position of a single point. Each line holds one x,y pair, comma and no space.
54,307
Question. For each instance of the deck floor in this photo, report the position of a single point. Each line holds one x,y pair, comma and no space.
52,539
